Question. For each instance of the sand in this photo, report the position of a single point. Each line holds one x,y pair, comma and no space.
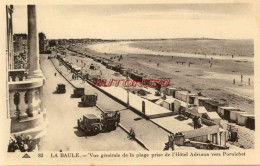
215,82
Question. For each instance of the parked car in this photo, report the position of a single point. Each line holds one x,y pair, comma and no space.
61,88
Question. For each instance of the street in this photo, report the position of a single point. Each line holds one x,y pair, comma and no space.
62,114
150,134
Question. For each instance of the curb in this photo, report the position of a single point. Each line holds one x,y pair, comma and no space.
135,138
161,127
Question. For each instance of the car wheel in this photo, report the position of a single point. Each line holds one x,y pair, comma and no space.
114,127
95,129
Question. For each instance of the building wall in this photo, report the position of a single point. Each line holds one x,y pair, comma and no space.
20,43
42,43
9,35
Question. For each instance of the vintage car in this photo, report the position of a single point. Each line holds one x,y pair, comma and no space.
90,123
61,88
110,120
78,92
89,100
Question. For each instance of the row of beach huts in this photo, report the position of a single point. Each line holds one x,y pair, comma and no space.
178,99
206,108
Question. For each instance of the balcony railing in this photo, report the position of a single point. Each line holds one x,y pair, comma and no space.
17,75
26,109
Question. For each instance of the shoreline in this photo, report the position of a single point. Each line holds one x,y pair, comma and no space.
125,48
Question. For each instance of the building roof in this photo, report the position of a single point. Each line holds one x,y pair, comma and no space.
213,115
91,116
228,108
183,92
170,99
202,110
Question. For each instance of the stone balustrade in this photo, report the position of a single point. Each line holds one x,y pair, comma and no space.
26,105
17,75
26,111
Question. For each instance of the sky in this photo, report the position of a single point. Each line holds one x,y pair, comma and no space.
140,21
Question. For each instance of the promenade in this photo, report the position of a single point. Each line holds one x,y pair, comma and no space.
146,131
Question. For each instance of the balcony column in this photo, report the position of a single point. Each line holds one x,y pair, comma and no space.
33,44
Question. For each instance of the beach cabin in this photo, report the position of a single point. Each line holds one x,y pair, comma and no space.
168,103
149,81
234,114
98,59
124,71
178,104
170,91
137,77
105,62
190,98
211,105
109,65
225,112
213,116
197,111
242,119
250,122
117,68
181,95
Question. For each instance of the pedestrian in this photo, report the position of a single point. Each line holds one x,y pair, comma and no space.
133,134
249,81
199,122
171,141
130,133
234,81
193,120
55,74
210,65
195,123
